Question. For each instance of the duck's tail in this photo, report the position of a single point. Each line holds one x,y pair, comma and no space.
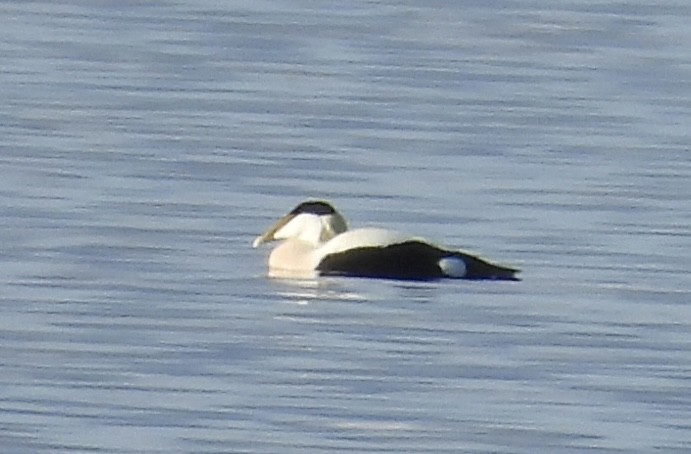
477,268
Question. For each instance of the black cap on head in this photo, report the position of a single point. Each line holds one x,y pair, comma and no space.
317,207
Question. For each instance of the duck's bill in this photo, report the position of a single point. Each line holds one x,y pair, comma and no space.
269,235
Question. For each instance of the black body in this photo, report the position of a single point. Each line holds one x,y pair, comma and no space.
410,260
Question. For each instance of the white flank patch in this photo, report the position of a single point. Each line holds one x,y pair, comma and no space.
452,266
369,237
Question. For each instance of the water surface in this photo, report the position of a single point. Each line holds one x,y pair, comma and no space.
144,145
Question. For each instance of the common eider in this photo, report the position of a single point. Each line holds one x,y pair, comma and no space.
317,239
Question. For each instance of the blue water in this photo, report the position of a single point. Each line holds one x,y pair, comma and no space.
143,145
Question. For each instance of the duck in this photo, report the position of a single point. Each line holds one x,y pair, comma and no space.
316,240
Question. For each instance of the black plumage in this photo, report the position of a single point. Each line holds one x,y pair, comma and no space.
409,260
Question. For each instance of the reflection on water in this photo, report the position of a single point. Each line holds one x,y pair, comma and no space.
302,278
302,288
305,287
144,144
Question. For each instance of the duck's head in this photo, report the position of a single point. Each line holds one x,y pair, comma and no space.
313,221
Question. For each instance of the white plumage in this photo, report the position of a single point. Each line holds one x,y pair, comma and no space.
366,237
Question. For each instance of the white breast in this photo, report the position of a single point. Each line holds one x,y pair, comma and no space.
293,254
